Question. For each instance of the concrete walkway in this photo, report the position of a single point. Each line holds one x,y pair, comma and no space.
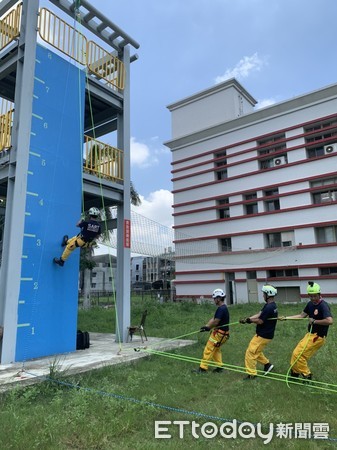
103,351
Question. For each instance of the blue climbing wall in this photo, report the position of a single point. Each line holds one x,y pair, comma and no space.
47,309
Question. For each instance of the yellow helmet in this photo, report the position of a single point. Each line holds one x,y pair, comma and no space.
313,288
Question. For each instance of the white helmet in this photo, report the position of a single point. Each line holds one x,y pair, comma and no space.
218,293
94,212
270,290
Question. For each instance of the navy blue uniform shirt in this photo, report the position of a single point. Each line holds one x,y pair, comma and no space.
90,229
222,314
267,328
318,312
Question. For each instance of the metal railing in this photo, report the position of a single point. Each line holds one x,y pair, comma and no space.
103,160
74,44
62,36
104,65
6,122
10,26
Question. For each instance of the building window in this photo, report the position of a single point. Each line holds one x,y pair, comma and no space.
320,125
318,134
328,193
324,235
284,239
223,211
225,245
282,273
273,240
321,131
272,205
324,182
271,192
315,152
272,145
328,271
220,160
270,142
251,275
277,161
250,196
137,266
221,174
324,197
251,208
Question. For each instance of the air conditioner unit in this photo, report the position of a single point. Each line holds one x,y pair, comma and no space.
279,161
330,149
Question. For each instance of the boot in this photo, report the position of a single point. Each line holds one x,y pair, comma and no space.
64,240
59,261
250,377
294,374
218,370
200,370
268,368
307,379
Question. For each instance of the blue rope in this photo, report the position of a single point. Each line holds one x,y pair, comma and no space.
146,402
131,399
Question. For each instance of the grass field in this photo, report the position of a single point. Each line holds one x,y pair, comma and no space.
116,407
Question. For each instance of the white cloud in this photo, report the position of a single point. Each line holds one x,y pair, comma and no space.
140,154
243,68
265,102
157,206
143,156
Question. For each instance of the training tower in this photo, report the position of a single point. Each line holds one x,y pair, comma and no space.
64,83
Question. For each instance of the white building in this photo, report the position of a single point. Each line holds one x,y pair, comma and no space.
255,193
103,277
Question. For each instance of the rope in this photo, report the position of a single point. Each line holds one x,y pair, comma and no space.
144,402
192,332
236,368
103,204
299,356
77,20
274,376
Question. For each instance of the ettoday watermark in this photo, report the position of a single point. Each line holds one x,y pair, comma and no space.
244,430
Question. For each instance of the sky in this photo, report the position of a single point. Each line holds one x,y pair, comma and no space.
277,49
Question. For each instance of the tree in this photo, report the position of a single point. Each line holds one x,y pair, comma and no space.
135,199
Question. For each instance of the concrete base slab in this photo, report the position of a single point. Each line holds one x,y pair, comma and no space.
103,351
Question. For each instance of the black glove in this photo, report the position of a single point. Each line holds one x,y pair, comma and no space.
247,320
204,329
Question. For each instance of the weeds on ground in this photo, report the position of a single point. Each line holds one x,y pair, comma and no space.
116,407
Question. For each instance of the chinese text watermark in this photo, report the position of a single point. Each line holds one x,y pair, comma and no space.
245,430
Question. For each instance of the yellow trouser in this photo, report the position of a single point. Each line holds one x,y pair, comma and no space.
71,245
254,354
212,351
304,350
